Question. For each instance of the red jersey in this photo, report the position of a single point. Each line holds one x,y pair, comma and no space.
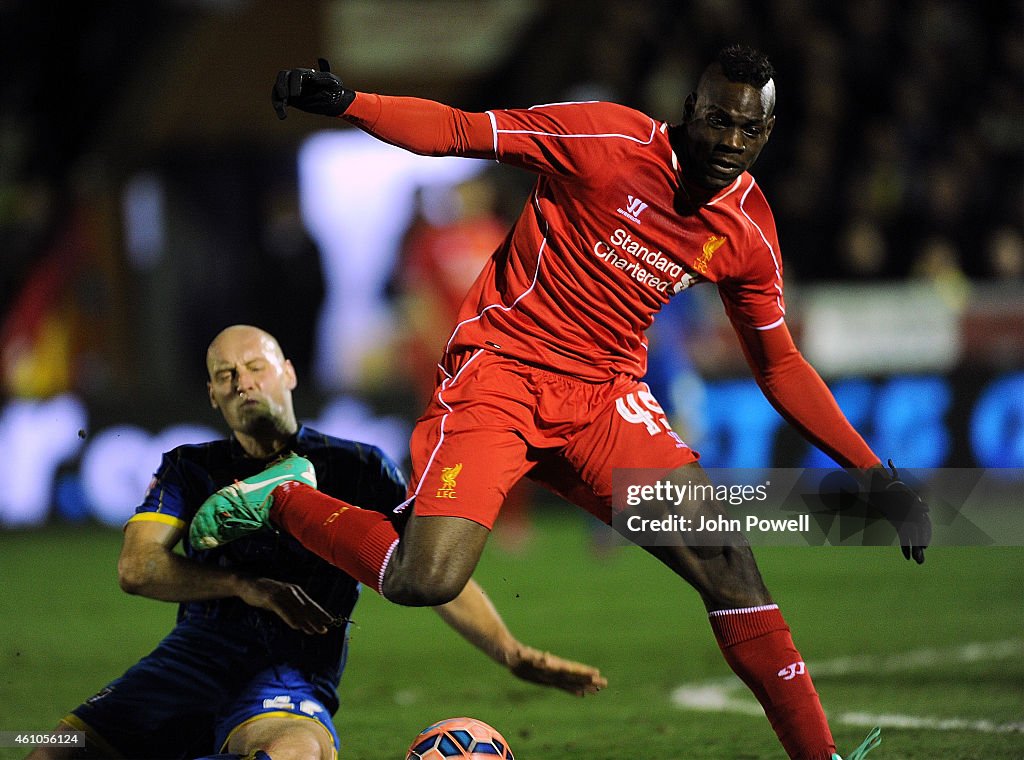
606,238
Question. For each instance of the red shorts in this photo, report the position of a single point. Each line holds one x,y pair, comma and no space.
493,420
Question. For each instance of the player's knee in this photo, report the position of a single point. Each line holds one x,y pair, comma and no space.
288,739
423,587
298,748
433,561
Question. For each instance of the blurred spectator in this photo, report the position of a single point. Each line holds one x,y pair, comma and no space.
62,328
290,287
862,250
682,327
938,262
1005,254
452,236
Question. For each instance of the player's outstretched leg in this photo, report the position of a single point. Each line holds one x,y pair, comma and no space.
244,506
428,567
752,634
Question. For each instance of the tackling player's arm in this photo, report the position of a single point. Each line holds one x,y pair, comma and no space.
473,615
796,390
148,566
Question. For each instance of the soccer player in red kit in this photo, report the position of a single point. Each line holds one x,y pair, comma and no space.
541,374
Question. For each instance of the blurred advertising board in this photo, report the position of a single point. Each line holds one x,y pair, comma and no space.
57,467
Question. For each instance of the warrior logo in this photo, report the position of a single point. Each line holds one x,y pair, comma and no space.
633,209
448,475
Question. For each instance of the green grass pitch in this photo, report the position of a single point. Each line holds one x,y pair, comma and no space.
935,653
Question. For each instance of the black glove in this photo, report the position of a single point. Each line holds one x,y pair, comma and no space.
904,509
311,91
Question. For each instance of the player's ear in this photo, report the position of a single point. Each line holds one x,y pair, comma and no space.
209,391
290,375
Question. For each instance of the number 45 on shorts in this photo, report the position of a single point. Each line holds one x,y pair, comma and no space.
640,407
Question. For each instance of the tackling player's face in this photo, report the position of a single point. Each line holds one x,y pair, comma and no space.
727,124
251,382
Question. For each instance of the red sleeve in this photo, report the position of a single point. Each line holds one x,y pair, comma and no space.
569,139
799,394
578,141
750,281
423,126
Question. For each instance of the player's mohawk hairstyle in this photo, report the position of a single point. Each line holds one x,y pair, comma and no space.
745,65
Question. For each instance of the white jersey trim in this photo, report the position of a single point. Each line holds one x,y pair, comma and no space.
494,132
520,297
444,386
726,193
562,103
773,325
775,258
541,133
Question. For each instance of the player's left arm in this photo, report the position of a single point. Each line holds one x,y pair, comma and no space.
473,615
752,293
799,394
797,391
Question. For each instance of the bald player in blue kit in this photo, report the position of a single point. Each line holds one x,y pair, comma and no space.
253,664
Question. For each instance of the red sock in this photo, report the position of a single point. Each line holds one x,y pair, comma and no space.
757,645
359,541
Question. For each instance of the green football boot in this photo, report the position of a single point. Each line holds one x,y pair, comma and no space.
244,506
873,739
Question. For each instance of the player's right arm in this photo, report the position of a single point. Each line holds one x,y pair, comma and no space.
148,566
417,125
568,139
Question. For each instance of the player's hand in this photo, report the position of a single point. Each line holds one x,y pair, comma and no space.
907,511
289,602
547,669
310,90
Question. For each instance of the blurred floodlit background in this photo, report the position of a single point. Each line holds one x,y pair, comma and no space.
149,197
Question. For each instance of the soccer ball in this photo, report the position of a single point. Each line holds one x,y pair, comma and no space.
459,738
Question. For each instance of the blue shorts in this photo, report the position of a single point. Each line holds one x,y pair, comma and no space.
185,698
